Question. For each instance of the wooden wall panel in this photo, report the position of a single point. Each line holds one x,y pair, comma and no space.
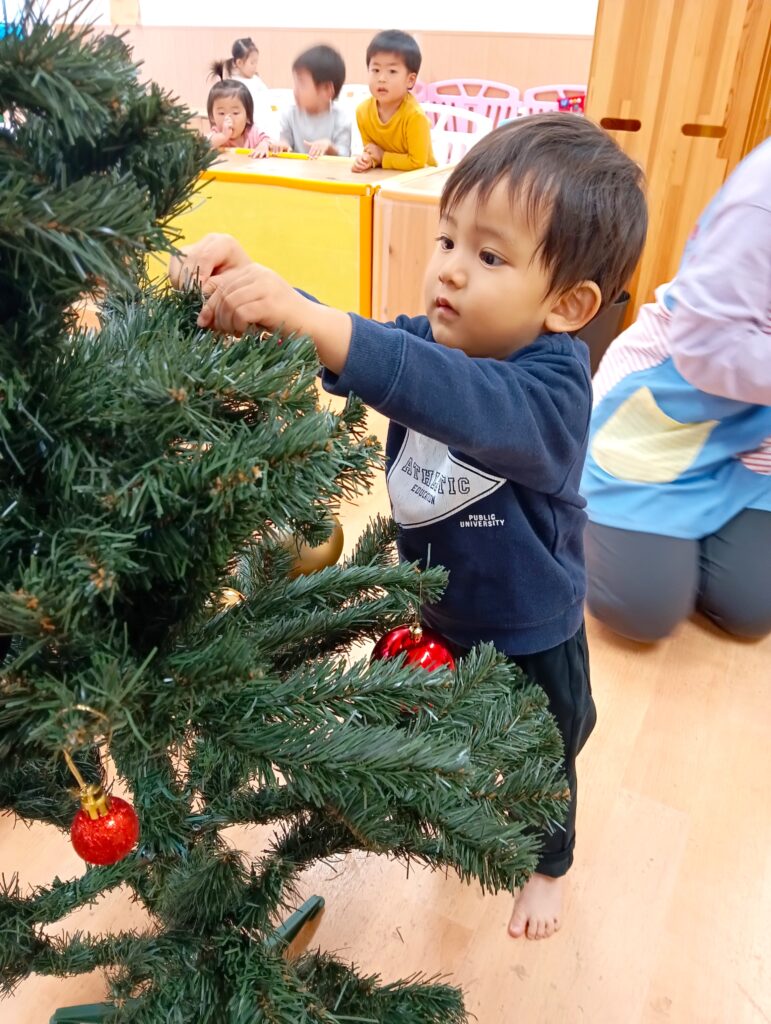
179,58
670,64
124,12
752,89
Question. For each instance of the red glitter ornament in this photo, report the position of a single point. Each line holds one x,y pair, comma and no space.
422,647
105,828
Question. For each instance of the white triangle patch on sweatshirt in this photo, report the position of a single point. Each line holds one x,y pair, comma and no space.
427,483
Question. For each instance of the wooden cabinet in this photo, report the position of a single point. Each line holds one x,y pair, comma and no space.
404,234
683,86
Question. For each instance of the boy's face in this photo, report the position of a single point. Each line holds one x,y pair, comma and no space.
485,292
229,116
389,79
309,97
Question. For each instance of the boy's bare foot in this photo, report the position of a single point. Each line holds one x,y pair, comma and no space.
537,908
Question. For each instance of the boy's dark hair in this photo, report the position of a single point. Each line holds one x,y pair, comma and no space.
400,43
324,65
229,87
580,190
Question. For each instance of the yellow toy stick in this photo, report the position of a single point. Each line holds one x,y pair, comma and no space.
284,156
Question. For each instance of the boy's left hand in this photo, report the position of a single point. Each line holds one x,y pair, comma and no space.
252,295
376,153
363,162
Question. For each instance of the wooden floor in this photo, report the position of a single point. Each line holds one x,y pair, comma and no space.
669,908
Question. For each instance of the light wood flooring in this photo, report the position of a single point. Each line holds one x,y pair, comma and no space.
668,919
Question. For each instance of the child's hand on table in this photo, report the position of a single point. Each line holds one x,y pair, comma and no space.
363,162
318,148
262,150
267,147
376,154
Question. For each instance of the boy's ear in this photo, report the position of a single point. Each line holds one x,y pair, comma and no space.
328,90
574,309
412,78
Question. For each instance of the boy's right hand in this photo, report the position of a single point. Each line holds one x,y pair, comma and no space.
213,255
318,148
239,293
363,162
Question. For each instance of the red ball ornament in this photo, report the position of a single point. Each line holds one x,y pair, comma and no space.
105,828
422,647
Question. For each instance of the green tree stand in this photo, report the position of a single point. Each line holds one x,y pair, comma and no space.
97,1013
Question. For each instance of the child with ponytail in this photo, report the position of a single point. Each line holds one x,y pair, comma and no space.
242,67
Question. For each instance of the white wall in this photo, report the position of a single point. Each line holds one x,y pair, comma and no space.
560,17
94,11
542,17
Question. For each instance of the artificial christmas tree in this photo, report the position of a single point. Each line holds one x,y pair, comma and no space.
154,628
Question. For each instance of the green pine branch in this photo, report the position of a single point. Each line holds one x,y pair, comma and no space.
144,467
414,1000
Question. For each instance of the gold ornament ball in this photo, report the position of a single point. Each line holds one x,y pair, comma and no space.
309,559
229,598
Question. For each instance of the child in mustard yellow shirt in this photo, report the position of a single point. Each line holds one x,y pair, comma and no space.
394,129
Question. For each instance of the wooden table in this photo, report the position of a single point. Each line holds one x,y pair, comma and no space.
310,220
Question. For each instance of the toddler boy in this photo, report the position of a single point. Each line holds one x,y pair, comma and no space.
489,400
394,129
315,126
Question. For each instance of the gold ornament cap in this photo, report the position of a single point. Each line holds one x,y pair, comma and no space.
94,801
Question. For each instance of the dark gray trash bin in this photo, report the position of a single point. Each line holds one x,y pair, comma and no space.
606,326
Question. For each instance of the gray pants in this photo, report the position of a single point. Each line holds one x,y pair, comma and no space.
641,585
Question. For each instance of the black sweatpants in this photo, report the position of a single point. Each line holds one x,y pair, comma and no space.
563,672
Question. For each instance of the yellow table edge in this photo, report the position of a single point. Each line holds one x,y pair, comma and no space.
345,188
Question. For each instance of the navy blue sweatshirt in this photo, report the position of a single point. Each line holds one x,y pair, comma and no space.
484,460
